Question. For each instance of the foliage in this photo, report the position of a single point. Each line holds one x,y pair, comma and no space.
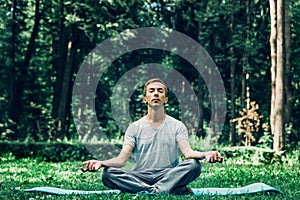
18,175
69,30
59,152
266,140
104,149
250,155
6,128
248,123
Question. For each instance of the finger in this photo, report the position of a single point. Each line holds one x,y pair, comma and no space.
212,157
86,170
221,159
91,164
85,163
208,156
216,156
83,170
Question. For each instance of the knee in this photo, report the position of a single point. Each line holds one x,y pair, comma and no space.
195,166
107,174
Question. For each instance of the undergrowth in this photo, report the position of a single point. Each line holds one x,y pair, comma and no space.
16,175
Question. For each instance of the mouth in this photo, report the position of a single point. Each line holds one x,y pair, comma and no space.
155,100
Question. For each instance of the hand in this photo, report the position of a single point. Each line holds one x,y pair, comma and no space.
91,166
213,157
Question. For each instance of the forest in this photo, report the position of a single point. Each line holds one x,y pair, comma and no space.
254,45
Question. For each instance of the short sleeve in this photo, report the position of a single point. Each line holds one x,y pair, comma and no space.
130,136
181,132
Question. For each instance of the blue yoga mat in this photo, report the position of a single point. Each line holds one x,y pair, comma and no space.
249,189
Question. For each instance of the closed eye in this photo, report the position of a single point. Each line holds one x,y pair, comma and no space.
160,90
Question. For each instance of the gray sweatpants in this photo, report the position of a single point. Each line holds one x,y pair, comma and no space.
165,180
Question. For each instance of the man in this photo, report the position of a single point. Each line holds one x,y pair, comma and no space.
154,140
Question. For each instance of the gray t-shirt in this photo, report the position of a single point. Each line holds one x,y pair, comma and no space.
155,147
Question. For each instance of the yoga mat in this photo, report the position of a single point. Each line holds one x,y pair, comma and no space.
59,191
249,189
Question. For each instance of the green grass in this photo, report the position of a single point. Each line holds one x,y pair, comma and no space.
18,175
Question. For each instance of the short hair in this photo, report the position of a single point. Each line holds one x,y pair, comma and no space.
154,80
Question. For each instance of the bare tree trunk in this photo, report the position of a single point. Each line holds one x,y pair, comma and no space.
16,103
287,77
13,57
66,87
273,37
278,144
200,132
200,102
62,66
245,74
232,137
14,32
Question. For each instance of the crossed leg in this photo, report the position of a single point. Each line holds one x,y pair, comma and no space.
152,181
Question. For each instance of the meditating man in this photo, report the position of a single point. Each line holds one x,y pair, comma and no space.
154,141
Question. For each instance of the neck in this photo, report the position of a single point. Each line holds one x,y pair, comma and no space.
156,115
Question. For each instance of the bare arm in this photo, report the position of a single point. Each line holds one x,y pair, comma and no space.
118,162
189,153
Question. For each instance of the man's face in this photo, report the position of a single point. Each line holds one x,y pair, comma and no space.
155,94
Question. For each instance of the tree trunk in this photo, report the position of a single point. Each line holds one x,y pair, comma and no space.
200,132
232,137
67,83
273,37
245,72
16,103
278,144
62,80
13,58
287,75
14,32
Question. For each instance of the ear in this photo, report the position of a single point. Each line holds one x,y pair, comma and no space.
144,100
166,100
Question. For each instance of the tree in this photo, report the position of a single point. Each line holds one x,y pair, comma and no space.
19,77
232,136
62,64
280,70
41,52
288,64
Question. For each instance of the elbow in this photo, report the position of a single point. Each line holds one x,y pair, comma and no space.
122,163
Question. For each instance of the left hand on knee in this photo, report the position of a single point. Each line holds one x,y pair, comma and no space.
213,157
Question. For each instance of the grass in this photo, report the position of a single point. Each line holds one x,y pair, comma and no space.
18,175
